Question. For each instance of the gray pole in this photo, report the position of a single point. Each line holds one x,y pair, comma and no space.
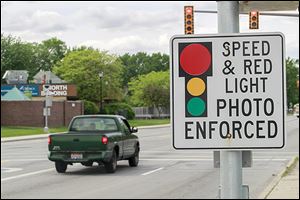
46,129
101,96
230,161
101,92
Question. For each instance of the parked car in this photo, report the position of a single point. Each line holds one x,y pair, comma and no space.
103,139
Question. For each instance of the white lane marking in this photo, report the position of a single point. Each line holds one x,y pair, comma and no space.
28,174
210,152
24,160
174,159
150,172
9,170
271,159
203,159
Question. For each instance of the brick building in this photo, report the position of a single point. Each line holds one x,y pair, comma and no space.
30,113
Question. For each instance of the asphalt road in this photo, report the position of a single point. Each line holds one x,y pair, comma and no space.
162,172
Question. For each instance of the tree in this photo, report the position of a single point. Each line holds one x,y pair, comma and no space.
49,53
82,67
33,57
292,75
17,55
141,63
151,90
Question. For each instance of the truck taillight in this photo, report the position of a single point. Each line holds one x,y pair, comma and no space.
49,140
104,140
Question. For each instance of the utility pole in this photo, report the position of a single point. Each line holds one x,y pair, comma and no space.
230,160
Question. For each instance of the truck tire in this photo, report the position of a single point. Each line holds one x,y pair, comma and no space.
111,166
61,167
134,161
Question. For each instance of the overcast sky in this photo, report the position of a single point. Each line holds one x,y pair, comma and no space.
122,27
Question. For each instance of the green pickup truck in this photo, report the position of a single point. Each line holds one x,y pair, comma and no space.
103,139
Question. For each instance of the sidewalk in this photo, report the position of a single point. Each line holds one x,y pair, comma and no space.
284,186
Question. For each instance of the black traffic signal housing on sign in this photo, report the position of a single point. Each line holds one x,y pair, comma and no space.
253,20
195,65
188,20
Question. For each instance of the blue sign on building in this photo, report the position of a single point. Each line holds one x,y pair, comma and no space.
34,89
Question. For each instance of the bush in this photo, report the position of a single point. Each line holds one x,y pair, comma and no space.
90,108
119,109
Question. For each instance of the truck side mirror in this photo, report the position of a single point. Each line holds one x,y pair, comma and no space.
134,130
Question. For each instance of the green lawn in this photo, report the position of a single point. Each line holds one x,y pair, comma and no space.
7,131
148,122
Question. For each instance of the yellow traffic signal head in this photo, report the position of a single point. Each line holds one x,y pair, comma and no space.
188,20
253,20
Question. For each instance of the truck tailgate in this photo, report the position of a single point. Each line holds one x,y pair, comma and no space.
76,142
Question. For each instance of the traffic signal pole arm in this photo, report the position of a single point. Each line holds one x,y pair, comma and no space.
261,13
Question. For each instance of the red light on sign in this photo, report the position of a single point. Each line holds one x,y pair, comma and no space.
195,59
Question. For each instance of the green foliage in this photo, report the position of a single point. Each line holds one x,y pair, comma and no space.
82,67
151,90
50,52
18,55
90,108
141,63
292,75
119,109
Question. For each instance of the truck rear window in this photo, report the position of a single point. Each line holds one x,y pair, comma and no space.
94,124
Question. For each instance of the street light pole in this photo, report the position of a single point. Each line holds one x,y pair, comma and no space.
100,76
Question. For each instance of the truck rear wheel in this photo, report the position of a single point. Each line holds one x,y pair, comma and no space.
134,161
61,167
111,166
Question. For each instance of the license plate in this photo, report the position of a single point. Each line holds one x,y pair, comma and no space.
76,156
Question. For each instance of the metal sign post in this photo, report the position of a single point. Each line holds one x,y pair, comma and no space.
46,129
48,104
231,176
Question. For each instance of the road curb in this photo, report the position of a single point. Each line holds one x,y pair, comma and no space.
23,138
42,136
277,179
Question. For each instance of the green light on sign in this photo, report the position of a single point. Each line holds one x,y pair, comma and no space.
196,106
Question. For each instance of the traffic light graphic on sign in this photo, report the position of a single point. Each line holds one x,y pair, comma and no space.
195,64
